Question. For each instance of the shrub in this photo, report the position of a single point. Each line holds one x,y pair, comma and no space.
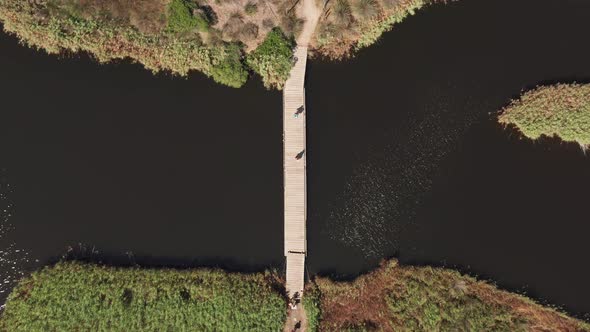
230,70
273,59
251,8
182,17
366,9
343,12
232,29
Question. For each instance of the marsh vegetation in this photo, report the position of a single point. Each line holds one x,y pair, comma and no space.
561,110
399,298
74,296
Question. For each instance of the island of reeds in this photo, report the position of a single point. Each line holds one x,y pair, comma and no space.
223,39
561,110
74,296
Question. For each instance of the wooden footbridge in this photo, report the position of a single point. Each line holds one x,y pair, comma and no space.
295,181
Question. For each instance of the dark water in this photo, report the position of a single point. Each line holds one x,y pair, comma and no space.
405,158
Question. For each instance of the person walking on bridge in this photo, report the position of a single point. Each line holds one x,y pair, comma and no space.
300,155
299,111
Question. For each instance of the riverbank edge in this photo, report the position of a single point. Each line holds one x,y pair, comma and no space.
319,291
225,63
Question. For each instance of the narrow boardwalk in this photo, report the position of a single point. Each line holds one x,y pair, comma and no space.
294,165
295,181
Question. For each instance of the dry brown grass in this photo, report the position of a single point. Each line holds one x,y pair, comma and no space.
385,300
347,25
262,21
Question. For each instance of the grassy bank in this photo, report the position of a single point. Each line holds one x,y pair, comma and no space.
349,25
561,110
83,297
178,36
395,298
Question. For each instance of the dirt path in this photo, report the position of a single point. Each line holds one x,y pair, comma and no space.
311,14
295,316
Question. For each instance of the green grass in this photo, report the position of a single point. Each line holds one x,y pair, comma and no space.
561,110
83,297
181,18
424,305
273,59
311,304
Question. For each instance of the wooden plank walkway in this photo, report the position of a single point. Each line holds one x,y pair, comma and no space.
295,182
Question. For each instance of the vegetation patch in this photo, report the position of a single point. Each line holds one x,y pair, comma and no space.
251,8
561,110
395,298
178,36
41,26
273,59
183,17
149,18
349,25
84,297
311,304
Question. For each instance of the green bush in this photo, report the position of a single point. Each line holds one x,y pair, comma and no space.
273,59
251,8
181,18
230,71
86,297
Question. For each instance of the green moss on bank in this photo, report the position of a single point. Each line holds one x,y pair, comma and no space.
85,297
396,298
561,110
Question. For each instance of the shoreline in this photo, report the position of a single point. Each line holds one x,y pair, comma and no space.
391,267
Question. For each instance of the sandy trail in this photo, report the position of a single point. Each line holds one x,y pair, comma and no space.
311,14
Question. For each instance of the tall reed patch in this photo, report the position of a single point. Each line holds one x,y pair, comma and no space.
84,297
561,110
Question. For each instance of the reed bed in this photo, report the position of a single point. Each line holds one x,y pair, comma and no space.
561,110
398,298
73,296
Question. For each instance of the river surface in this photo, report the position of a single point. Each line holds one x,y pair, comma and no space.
110,163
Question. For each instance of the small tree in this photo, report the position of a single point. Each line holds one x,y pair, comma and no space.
273,59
